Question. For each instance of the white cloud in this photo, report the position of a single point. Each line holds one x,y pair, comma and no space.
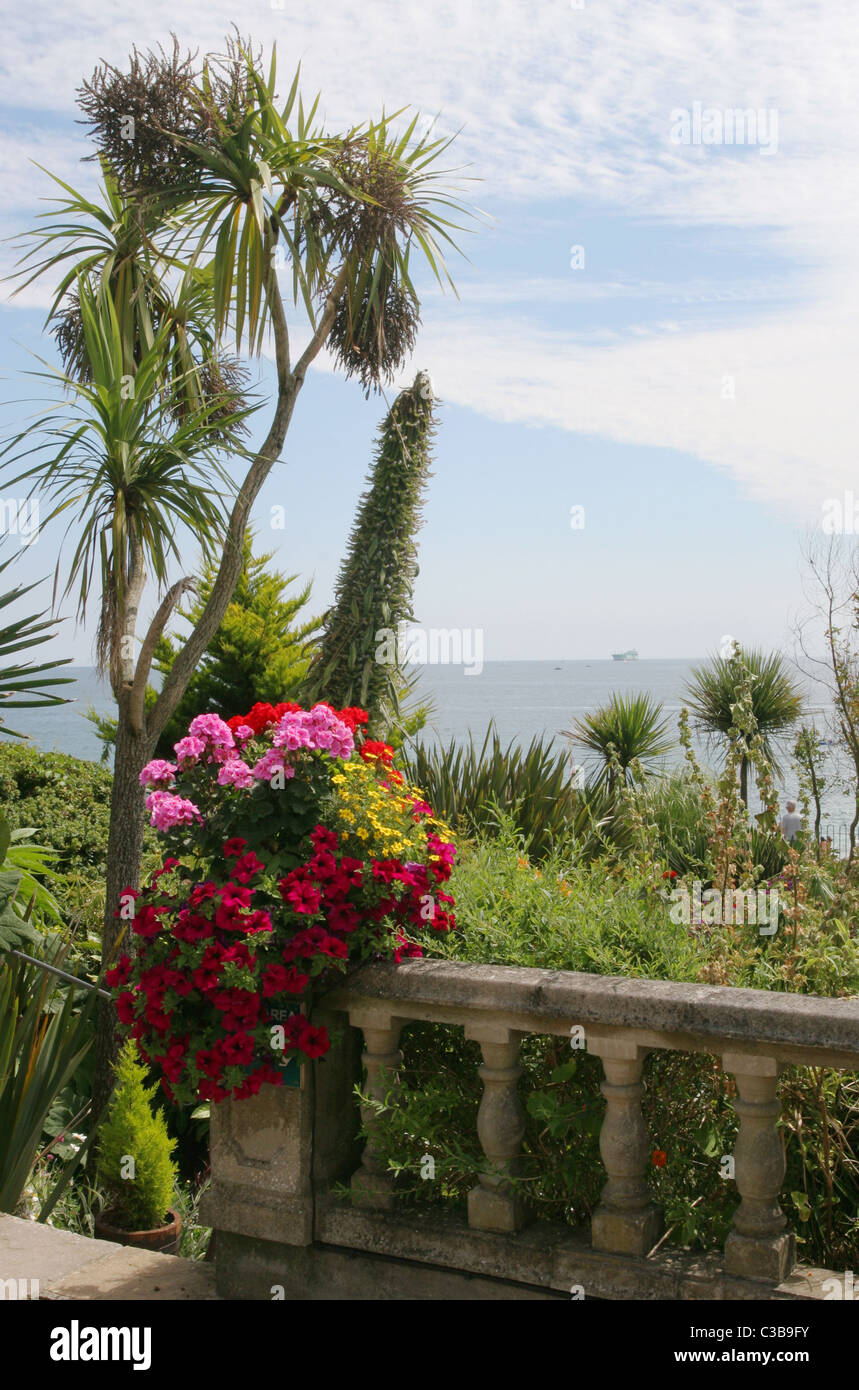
554,103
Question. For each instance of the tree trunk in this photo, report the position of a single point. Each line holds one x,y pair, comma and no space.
124,854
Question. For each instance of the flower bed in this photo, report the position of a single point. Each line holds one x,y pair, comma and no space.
289,858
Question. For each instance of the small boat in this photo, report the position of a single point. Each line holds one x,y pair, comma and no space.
631,655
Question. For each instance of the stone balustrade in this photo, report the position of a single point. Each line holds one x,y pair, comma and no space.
300,1237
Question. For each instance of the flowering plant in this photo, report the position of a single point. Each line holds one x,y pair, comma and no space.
289,857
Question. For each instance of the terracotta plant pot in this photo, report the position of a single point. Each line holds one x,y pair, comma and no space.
163,1239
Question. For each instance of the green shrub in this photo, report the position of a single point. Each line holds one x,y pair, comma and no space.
607,918
67,800
135,1164
467,786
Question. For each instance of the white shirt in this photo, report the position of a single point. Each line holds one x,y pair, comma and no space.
790,823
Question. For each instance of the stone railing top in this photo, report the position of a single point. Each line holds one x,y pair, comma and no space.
689,1017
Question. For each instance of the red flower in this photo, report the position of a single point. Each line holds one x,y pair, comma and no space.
659,1158
238,1050
277,979
247,867
345,918
125,1007
146,923
323,865
405,948
322,838
303,897
210,1090
202,892
301,1034
119,974
211,1062
205,978
234,846
372,751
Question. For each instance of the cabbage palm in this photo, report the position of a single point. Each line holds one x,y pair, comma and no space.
713,691
207,181
629,728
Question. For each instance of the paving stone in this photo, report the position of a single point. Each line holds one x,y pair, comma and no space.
69,1266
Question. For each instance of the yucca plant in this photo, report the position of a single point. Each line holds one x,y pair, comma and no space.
209,180
629,729
45,1032
776,699
24,866
26,686
468,785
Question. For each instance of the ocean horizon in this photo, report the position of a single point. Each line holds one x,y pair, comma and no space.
522,699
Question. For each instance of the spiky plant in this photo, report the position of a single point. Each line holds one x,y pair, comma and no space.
776,699
25,686
357,664
214,177
629,729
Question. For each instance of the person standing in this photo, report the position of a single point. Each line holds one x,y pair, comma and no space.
790,822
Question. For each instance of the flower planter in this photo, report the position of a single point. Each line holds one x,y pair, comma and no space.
162,1239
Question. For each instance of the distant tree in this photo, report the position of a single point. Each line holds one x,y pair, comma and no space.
359,658
260,651
776,700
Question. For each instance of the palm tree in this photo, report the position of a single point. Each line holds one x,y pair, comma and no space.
629,728
714,689
207,180
25,686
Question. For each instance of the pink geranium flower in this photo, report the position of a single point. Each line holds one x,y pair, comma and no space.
158,773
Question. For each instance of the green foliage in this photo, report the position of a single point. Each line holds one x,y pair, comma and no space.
23,868
140,1192
260,651
608,918
45,1032
128,462
776,700
562,914
26,686
355,665
471,787
67,799
628,730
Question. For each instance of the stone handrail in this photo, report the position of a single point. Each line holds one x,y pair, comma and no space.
756,1033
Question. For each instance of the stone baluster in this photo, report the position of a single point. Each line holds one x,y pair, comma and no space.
492,1205
626,1222
373,1185
758,1246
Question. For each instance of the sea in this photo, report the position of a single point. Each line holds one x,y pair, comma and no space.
523,699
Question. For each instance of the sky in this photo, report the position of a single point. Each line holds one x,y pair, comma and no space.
655,324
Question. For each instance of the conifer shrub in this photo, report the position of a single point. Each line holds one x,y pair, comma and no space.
135,1165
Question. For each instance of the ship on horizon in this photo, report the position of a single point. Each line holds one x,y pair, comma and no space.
631,655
